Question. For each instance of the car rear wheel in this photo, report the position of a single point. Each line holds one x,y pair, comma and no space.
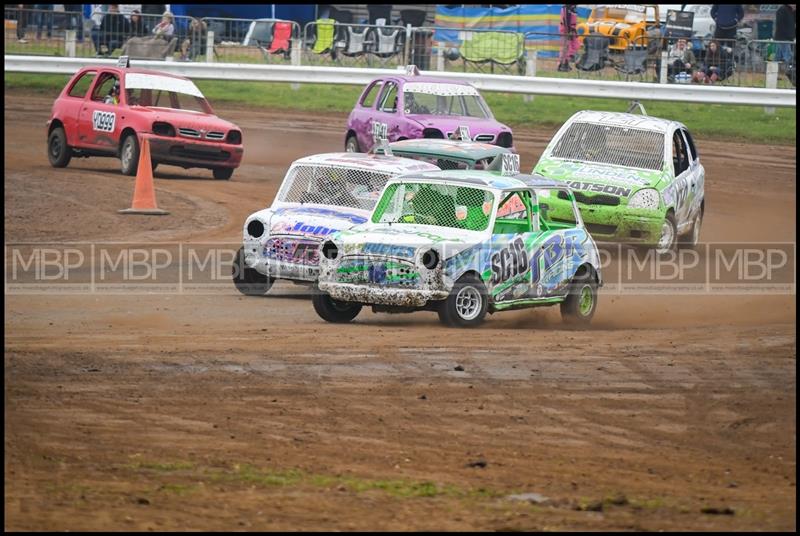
248,281
351,145
129,155
693,238
58,151
330,310
467,303
223,173
581,303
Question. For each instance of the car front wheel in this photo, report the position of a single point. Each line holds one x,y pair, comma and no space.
223,174
669,235
467,303
330,310
351,145
129,155
58,151
248,281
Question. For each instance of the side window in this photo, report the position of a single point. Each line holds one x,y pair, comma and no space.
690,144
513,214
82,85
103,88
368,100
680,161
556,209
389,99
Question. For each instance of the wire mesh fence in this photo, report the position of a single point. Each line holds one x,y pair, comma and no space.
333,185
338,41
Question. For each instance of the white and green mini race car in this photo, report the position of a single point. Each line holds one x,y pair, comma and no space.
462,243
637,179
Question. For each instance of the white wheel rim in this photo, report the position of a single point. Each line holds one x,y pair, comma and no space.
127,154
667,237
468,303
696,230
351,146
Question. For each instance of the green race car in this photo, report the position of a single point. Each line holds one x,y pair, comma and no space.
637,179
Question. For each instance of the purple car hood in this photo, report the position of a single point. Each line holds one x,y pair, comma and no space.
451,124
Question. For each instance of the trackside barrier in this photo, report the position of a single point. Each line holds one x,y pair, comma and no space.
487,82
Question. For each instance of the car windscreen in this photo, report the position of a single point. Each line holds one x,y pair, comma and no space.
164,92
439,205
333,185
443,99
614,145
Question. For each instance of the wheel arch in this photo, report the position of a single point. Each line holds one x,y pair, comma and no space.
587,268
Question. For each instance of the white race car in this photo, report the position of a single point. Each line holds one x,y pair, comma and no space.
321,194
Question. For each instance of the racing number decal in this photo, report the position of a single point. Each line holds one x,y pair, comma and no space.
104,121
380,131
509,261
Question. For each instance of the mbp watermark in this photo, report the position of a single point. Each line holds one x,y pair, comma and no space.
208,268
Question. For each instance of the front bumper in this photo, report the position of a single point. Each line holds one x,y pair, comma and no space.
381,295
254,258
194,153
614,223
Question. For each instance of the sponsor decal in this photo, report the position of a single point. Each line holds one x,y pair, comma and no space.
509,261
388,250
352,218
600,188
104,121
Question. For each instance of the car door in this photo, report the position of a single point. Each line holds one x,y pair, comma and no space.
511,246
387,110
556,253
98,122
70,106
696,176
361,117
682,173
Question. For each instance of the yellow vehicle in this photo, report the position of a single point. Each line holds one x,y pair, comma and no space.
625,24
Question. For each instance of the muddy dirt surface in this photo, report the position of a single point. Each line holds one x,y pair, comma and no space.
196,411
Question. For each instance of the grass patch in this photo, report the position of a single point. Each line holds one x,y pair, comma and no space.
710,121
161,466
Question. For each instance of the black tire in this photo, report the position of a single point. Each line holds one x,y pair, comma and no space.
467,303
58,152
332,310
129,155
154,165
581,303
248,281
222,173
351,145
671,242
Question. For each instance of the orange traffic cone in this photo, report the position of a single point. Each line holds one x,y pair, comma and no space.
144,194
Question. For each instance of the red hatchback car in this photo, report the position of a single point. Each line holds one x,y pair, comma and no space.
102,109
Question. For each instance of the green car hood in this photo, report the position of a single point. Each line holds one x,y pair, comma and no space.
599,178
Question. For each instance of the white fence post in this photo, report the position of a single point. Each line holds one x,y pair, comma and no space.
772,82
296,50
440,57
530,70
210,47
662,77
69,43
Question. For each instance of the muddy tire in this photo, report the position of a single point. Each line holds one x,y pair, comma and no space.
129,155
58,152
223,173
692,238
467,303
248,281
351,145
335,311
581,303
668,240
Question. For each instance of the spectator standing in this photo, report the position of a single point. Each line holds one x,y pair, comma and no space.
44,17
568,28
785,30
717,64
75,19
23,16
137,25
726,18
165,29
192,46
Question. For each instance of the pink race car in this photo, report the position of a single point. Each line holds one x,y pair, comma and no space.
411,106
102,110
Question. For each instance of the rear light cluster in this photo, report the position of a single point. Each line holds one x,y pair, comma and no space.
235,137
504,139
163,129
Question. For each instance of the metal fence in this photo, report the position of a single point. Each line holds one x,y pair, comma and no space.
744,62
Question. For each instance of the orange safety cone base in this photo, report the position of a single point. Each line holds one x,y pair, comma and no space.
144,194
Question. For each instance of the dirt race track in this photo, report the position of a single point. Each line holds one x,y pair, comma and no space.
218,411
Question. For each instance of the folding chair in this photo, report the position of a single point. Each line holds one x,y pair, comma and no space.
281,39
501,48
595,54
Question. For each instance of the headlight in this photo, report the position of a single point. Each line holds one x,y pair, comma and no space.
163,129
430,259
255,228
235,137
648,198
329,250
